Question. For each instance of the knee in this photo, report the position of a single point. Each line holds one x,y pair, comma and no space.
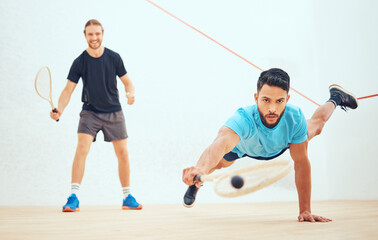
123,155
220,166
319,129
315,127
82,149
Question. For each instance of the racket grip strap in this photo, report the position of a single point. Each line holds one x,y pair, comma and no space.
197,178
54,110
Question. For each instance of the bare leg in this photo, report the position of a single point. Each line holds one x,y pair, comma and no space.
316,123
82,149
222,164
120,148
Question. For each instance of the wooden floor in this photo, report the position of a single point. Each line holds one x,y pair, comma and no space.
351,220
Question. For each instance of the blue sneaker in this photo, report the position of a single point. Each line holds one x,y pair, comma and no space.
72,204
130,203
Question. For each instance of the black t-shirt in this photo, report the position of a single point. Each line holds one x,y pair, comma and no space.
99,75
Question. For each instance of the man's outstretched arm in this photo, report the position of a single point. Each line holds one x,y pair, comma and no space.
225,141
302,169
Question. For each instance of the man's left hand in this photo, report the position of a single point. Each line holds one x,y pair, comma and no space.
306,216
130,98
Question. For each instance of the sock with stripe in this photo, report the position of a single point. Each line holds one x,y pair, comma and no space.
75,187
126,191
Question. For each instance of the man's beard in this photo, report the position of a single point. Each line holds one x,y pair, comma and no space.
266,124
92,45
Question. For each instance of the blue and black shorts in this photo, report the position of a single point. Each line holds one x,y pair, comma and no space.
231,156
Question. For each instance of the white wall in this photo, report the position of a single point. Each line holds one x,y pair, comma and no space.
347,37
186,88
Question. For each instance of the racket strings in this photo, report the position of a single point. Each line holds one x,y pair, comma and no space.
253,180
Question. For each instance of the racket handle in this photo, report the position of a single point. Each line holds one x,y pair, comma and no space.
197,178
54,110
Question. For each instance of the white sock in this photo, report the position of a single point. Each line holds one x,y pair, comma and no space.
75,188
126,192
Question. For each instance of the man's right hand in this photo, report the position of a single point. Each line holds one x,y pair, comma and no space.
55,115
189,174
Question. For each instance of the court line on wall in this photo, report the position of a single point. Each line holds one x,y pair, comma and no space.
244,59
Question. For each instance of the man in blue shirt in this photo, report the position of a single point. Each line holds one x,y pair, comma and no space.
266,130
98,67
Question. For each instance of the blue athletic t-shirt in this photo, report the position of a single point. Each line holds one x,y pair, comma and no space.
256,140
99,75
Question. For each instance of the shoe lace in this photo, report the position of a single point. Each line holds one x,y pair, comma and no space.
342,105
71,199
130,198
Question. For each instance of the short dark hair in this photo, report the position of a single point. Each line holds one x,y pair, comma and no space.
274,77
93,22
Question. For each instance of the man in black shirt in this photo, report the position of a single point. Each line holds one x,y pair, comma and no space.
98,67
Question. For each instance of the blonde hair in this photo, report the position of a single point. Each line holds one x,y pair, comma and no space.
93,22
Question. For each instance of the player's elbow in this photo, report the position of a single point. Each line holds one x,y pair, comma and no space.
227,139
301,164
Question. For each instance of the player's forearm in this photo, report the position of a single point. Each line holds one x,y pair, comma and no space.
212,156
129,88
303,183
64,99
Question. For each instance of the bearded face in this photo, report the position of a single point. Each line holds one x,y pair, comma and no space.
94,34
271,102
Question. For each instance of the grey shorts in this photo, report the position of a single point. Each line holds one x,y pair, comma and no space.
112,125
